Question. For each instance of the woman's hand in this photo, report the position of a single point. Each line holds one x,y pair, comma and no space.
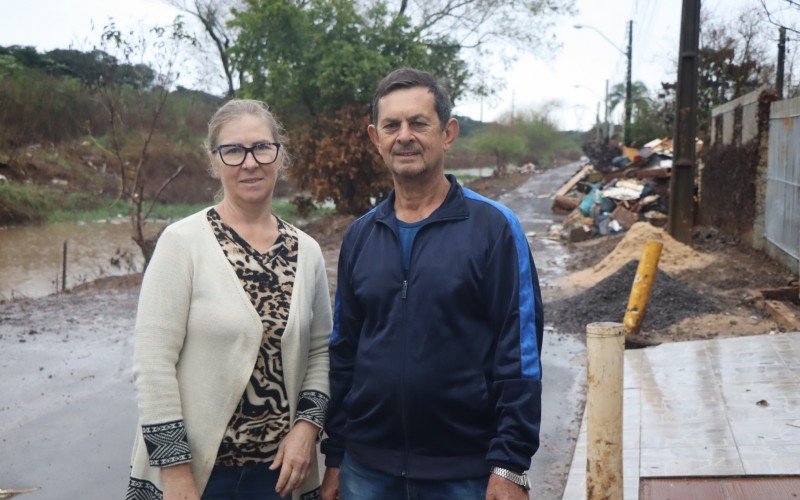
330,484
294,456
179,483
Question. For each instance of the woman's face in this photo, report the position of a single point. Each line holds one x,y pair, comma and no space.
249,184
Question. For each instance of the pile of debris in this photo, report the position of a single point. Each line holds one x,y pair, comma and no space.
672,301
611,198
601,292
676,257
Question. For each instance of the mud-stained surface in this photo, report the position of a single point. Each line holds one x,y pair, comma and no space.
68,413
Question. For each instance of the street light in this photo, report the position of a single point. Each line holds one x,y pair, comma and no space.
628,89
584,87
586,26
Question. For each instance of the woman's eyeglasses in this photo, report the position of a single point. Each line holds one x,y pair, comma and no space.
234,155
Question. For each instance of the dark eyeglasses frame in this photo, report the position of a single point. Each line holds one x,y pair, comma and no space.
251,150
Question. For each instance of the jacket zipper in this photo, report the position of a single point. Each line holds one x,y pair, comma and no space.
404,296
404,466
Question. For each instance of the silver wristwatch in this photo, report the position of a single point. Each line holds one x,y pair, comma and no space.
520,479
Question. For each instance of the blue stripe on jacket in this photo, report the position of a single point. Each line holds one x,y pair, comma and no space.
528,343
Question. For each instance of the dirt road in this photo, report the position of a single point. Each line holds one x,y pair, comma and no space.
68,413
563,359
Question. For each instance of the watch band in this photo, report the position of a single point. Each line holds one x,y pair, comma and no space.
518,479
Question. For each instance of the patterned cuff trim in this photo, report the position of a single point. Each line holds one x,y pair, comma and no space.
313,406
166,443
140,489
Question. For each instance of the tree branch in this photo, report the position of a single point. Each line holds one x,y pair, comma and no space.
164,185
792,3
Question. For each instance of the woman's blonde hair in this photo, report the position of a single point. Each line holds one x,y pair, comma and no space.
235,108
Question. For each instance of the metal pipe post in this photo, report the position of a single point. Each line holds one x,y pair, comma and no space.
781,61
64,269
605,350
642,287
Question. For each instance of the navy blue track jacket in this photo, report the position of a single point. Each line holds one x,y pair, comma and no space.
435,372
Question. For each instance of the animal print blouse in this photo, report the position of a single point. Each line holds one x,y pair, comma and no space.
261,418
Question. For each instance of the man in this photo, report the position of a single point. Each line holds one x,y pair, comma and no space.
435,370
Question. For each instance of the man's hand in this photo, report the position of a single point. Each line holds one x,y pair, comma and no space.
330,484
294,456
500,488
179,483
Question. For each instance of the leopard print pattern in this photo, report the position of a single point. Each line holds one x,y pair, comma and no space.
261,418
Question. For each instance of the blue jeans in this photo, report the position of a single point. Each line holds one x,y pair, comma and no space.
357,482
249,482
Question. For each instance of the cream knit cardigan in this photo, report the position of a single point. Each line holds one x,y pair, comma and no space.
197,337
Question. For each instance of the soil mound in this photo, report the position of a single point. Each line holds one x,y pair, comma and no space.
671,302
675,256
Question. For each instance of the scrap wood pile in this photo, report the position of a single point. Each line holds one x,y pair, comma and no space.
608,196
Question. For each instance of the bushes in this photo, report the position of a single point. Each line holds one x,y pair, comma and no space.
340,163
38,108
22,203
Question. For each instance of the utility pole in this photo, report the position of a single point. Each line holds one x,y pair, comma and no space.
597,126
513,98
681,199
628,89
605,116
781,61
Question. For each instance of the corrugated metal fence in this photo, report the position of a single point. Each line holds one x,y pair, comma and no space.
782,210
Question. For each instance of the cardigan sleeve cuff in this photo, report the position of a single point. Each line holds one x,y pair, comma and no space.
167,443
312,406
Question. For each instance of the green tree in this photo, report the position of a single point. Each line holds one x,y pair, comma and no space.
617,95
317,61
311,59
502,141
307,58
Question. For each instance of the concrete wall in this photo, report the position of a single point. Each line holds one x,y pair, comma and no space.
749,105
776,178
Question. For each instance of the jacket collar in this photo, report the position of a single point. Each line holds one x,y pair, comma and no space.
453,206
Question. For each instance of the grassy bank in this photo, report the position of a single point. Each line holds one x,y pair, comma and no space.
31,204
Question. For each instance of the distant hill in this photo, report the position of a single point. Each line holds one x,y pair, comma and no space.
469,126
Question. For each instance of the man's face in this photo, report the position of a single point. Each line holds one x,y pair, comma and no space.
408,134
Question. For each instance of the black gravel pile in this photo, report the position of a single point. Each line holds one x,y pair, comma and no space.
671,302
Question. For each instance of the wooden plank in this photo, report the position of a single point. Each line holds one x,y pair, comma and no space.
722,488
680,489
654,172
781,487
783,313
784,293
566,203
563,190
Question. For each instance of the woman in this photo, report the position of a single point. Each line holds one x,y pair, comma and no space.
231,349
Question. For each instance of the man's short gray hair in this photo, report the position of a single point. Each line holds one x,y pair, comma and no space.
406,78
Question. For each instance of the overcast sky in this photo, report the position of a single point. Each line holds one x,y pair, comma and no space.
575,75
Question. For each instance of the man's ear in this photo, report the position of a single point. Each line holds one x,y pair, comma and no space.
451,131
373,136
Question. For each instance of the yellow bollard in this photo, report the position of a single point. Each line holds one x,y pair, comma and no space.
605,362
642,287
